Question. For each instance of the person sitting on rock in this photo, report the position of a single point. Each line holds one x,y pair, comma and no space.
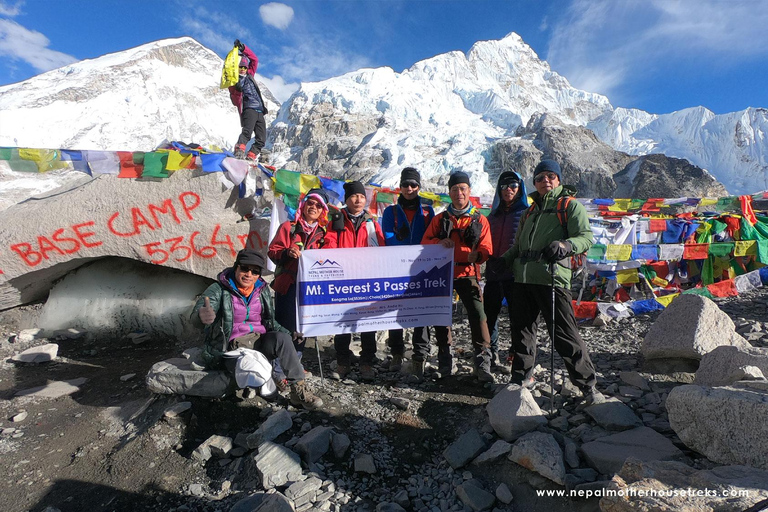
246,96
552,230
462,228
354,227
237,312
404,223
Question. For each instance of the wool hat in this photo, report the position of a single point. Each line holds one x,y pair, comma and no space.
410,174
250,257
319,194
458,177
507,178
244,62
548,166
353,187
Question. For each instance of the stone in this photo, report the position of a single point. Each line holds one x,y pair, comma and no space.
667,486
635,379
177,409
389,507
585,474
475,497
468,446
747,373
503,494
19,417
277,465
607,454
177,376
275,502
539,452
364,463
497,450
401,498
688,328
571,452
220,446
727,425
340,444
69,334
249,503
400,403
39,354
613,415
127,377
121,218
314,444
54,389
27,335
720,367
305,488
277,423
513,412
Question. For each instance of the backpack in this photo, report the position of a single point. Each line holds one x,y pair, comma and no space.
469,235
578,261
404,231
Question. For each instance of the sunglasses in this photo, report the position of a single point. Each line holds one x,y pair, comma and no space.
545,175
253,270
312,202
509,185
409,184
243,67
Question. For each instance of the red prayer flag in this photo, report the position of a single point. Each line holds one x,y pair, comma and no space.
696,251
658,225
725,288
128,169
585,310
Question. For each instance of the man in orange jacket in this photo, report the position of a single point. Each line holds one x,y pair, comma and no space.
464,229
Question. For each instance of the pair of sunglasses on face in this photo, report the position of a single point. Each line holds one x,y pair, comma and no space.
247,268
312,202
409,184
550,176
509,185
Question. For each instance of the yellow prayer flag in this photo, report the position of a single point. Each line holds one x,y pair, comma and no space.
178,161
430,195
616,252
665,300
707,201
621,204
308,182
745,248
627,276
658,281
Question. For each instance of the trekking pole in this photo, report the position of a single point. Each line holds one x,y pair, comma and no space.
319,362
552,273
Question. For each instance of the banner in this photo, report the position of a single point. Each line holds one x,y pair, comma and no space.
374,288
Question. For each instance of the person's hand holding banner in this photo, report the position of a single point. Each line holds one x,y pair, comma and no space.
447,243
473,256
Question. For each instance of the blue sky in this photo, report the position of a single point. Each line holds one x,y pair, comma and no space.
656,55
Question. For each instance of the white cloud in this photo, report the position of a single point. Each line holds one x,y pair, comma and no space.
20,43
278,87
276,14
599,45
10,10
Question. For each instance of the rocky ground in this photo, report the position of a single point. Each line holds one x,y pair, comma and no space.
113,445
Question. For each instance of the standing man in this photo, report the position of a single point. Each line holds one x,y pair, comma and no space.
509,203
354,227
246,96
551,230
464,229
404,224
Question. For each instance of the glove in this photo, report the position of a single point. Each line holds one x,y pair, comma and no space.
472,234
206,313
237,43
403,232
557,250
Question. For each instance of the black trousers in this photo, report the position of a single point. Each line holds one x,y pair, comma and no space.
274,345
397,345
285,313
528,300
253,122
493,295
344,355
469,294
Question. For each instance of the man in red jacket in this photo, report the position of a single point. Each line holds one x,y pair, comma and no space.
354,227
464,229
246,96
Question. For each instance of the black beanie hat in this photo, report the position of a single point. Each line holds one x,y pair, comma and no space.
410,173
508,177
458,177
353,187
548,166
250,257
318,192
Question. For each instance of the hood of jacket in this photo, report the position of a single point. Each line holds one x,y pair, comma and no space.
520,202
227,273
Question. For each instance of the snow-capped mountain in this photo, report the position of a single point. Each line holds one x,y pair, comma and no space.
454,111
129,101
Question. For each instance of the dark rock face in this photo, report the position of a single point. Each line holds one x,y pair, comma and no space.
661,176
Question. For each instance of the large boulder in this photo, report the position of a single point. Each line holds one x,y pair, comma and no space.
513,412
690,327
607,454
181,376
187,221
668,486
721,366
727,425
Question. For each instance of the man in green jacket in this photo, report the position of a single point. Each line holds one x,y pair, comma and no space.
237,311
543,240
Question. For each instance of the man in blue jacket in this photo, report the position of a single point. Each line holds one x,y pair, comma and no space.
404,224
246,96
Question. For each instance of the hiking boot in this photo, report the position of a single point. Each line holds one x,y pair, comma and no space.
240,151
301,396
483,375
366,372
397,363
593,397
528,383
252,157
417,370
342,370
498,368
282,385
446,370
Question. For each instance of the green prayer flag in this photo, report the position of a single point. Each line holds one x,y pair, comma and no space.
708,270
721,249
154,165
138,157
288,182
385,197
596,252
762,251
699,291
5,153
